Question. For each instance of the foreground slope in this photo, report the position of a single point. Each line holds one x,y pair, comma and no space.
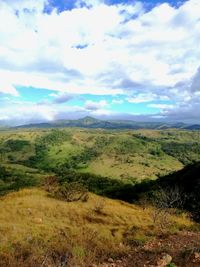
37,230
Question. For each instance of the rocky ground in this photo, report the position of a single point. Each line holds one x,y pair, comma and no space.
180,250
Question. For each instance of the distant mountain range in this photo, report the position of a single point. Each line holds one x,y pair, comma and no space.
90,122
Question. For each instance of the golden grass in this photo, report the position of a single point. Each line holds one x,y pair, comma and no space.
136,166
33,222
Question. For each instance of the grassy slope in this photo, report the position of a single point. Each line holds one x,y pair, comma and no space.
35,227
121,153
33,224
140,167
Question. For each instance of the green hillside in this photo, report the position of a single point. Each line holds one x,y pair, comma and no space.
63,192
136,154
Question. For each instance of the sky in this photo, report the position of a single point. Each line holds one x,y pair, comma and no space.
110,59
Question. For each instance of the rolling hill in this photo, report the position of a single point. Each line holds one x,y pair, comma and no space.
40,226
90,122
119,154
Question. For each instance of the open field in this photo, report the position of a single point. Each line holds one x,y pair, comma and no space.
137,154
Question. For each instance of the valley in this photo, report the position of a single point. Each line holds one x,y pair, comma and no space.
87,197
125,154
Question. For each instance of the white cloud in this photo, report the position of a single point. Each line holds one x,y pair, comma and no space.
62,98
195,86
189,113
101,112
17,113
93,49
33,38
94,106
27,112
161,106
142,98
146,97
7,88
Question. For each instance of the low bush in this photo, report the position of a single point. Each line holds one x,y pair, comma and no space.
73,191
15,180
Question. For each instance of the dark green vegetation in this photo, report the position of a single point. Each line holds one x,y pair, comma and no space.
187,181
12,180
105,160
185,153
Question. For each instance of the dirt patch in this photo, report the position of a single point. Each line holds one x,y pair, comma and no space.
184,248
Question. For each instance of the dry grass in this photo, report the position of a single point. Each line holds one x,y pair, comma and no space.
135,166
36,229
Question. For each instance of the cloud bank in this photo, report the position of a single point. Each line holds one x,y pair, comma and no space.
116,50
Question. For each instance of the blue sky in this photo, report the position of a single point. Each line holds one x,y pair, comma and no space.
119,104
62,5
108,59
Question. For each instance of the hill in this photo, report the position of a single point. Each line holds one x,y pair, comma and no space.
183,185
117,154
89,122
37,230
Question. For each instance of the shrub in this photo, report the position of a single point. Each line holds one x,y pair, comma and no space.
166,202
50,183
14,180
16,145
72,192
66,191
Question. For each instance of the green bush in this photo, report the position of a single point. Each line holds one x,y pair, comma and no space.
14,180
186,153
16,145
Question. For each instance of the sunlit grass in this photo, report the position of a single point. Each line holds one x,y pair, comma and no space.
30,213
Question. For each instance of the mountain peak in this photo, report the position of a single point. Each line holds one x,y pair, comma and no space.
88,120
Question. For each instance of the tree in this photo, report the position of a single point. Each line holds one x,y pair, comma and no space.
166,202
